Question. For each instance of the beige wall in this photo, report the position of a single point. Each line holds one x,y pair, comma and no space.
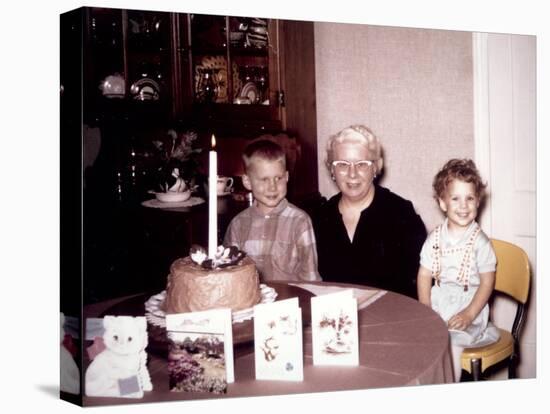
413,87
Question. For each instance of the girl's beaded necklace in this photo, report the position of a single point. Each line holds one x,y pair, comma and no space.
463,277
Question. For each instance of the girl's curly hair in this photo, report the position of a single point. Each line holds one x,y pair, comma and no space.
461,169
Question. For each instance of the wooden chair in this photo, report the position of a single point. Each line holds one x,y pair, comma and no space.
513,279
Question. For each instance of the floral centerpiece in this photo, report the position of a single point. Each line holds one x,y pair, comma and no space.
178,167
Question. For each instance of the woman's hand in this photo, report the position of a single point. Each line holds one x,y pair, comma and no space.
460,321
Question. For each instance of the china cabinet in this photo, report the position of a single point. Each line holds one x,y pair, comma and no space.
225,74
236,77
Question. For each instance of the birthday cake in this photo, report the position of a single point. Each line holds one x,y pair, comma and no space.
196,286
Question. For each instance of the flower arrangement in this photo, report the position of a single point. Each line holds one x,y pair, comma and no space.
178,166
224,256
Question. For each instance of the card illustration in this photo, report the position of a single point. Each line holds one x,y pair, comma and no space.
278,341
335,337
196,362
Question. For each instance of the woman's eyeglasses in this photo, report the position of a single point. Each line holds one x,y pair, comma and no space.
343,167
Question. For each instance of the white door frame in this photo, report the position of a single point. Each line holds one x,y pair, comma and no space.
482,138
505,153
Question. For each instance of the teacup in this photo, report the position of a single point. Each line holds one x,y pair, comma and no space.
224,185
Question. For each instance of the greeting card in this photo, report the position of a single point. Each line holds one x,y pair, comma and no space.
200,356
335,337
278,348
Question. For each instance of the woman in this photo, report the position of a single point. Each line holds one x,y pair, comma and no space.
366,234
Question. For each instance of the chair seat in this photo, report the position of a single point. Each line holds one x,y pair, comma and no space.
489,354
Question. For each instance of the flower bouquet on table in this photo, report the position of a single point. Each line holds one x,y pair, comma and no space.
178,167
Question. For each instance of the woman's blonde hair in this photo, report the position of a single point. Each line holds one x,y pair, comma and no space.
358,134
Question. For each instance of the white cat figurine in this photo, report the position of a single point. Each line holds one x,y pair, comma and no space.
69,379
120,369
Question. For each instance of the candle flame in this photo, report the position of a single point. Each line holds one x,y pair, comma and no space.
213,141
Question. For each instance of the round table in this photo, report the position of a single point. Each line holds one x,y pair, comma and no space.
402,343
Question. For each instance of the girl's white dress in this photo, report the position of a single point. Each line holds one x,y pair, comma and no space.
456,265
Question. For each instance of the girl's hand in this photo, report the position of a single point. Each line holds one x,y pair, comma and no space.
464,318
424,286
460,321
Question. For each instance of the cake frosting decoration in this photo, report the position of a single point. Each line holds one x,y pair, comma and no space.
196,283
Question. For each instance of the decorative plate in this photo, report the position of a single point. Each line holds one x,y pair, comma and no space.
155,315
219,65
250,91
145,89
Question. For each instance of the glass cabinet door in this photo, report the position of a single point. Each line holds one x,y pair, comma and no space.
209,58
230,60
232,72
103,61
249,43
128,62
148,55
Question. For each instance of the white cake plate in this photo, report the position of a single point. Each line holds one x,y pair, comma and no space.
155,315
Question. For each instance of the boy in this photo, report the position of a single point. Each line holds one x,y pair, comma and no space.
277,235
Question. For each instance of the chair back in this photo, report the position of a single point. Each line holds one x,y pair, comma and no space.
513,272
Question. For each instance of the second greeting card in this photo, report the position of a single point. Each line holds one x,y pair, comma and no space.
335,337
278,341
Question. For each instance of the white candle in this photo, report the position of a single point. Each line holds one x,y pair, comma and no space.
213,201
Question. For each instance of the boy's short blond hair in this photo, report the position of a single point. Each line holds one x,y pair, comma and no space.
265,150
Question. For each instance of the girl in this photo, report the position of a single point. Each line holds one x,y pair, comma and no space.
459,257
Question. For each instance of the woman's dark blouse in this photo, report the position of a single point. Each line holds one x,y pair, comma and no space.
385,252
